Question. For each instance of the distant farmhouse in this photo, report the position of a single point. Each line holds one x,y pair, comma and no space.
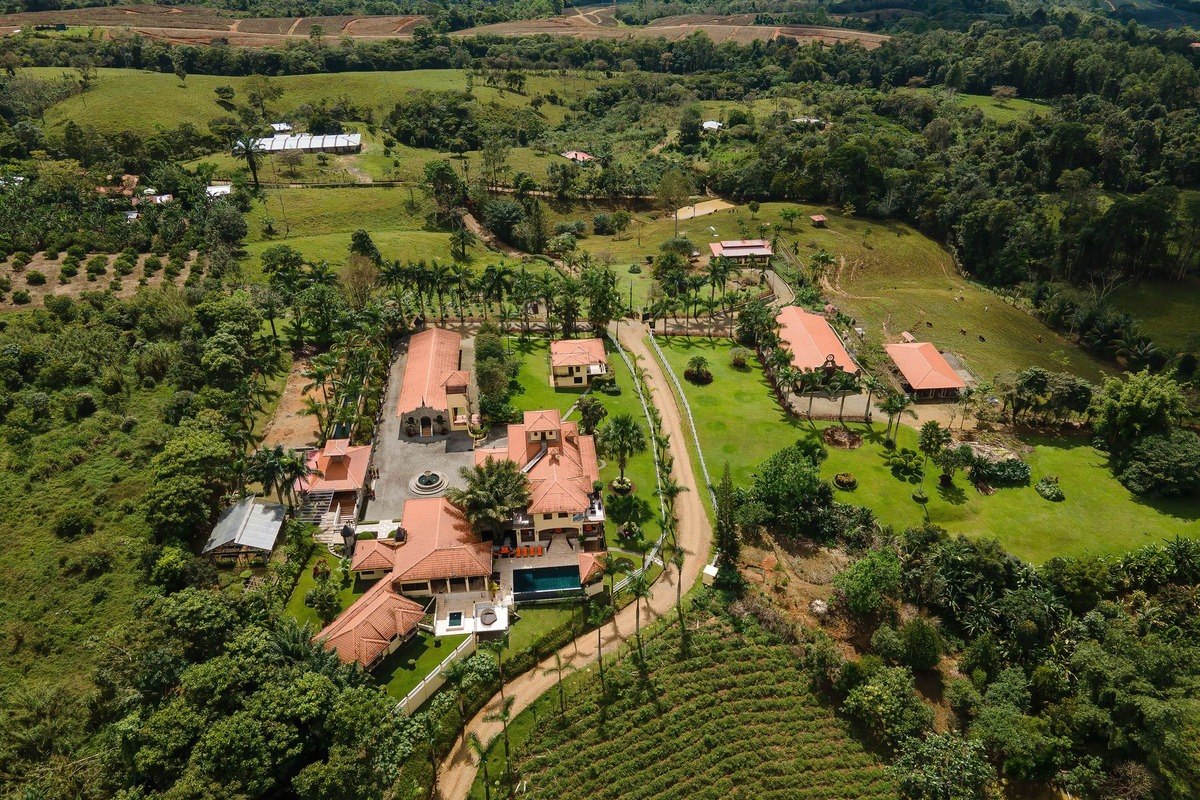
924,371
578,157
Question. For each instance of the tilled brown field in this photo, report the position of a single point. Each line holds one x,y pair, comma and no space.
203,26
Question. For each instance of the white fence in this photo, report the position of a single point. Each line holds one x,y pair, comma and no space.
687,409
434,680
652,555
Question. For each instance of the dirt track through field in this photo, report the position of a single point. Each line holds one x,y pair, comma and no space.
458,770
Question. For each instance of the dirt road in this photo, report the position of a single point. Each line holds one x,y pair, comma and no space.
695,537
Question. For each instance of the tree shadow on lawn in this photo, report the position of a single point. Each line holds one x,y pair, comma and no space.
952,494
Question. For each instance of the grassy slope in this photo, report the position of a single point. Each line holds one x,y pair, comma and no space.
404,669
739,421
895,279
51,605
1166,311
1001,111
141,101
666,738
537,394
321,220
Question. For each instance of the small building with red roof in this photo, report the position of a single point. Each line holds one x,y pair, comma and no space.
435,392
743,252
574,362
814,343
818,220
578,157
924,371
339,475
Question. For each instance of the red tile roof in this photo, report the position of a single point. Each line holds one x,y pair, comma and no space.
439,544
578,155
364,631
432,361
577,352
812,340
741,248
590,565
923,367
341,468
373,554
561,478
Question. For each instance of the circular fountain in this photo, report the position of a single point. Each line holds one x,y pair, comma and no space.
428,483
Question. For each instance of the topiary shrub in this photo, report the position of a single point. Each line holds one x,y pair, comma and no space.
635,269
739,357
845,481
1048,488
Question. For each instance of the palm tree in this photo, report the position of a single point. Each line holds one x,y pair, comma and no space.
622,438
558,668
456,676
598,614
495,490
896,406
266,467
481,754
460,282
718,273
788,376
873,385
930,441
461,240
807,383
639,587
246,146
845,384
503,716
677,560
612,566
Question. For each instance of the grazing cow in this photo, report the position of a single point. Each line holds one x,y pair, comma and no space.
963,331
981,338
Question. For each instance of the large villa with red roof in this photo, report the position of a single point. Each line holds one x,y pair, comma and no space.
338,480
743,252
435,394
435,563
814,343
574,362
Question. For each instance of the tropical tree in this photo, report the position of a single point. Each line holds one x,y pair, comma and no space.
246,146
494,491
612,566
845,383
931,439
697,370
895,405
598,614
622,438
639,588
481,756
872,385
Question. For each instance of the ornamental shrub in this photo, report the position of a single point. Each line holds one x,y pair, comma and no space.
35,278
886,707
1048,488
1163,465
1005,472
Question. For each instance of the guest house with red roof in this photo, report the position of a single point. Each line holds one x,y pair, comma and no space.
814,343
743,252
574,362
337,483
435,394
925,372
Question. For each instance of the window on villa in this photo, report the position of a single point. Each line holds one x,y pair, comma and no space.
526,536
579,380
458,584
414,588
547,516
562,515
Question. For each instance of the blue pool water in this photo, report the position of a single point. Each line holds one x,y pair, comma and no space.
546,579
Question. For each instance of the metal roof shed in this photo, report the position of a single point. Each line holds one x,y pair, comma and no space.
249,525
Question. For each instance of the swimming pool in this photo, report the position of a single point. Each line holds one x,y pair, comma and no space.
455,619
547,579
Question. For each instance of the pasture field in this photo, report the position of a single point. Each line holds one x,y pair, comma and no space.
141,101
661,735
994,108
1166,311
887,276
319,223
739,422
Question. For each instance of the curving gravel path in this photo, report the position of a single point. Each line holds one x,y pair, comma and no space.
458,770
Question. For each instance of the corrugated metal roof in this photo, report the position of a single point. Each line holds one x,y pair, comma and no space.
249,524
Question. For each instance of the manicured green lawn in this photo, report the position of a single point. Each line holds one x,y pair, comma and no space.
536,622
739,422
307,616
404,669
534,392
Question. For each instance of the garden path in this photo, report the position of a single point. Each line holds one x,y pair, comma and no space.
457,771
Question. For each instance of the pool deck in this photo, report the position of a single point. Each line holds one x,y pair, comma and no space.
558,554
